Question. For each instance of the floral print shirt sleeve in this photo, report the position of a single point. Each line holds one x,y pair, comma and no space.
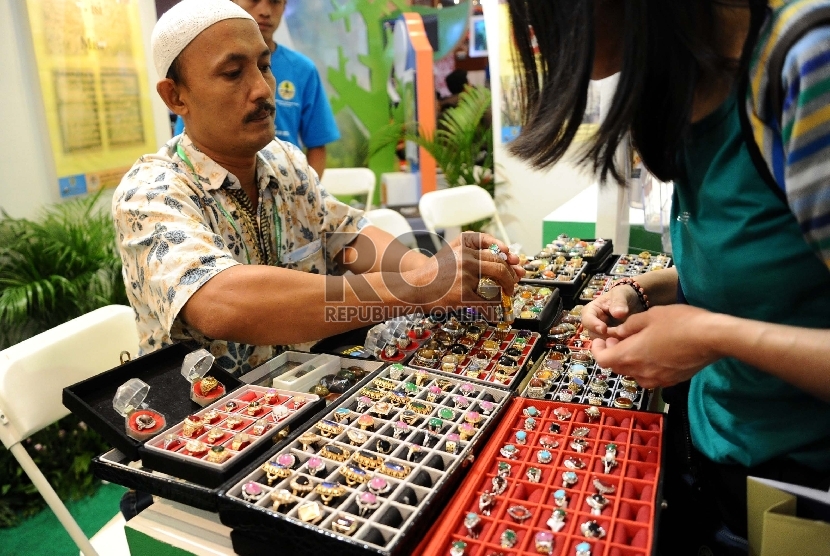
178,226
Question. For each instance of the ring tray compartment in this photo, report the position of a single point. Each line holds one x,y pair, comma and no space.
538,321
597,285
176,460
92,398
529,343
628,514
116,467
304,377
558,388
352,344
413,489
632,265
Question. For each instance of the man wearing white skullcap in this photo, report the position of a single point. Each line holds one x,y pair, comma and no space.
226,236
304,116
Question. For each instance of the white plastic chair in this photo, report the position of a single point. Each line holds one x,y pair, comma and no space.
33,375
457,206
393,222
350,181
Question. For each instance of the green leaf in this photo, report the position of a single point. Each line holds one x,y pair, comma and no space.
460,138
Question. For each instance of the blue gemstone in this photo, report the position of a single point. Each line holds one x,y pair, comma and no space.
578,381
330,423
532,411
570,475
521,435
329,485
583,547
559,494
394,466
578,367
544,454
357,470
342,411
509,448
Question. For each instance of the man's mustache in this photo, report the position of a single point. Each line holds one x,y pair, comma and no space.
263,109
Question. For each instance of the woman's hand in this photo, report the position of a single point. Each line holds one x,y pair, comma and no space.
659,347
610,309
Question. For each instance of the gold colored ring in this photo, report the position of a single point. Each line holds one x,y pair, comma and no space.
354,476
274,472
239,440
372,393
217,454
329,428
329,491
299,488
367,460
419,407
395,470
356,437
207,385
216,434
342,456
193,426
384,384
628,381
233,421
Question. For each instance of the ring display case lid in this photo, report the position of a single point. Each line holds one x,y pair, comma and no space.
130,396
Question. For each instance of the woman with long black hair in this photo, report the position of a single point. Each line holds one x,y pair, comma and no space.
728,99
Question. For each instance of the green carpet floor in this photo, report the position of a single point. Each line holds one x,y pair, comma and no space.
43,535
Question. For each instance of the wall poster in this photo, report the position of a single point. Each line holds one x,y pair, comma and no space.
94,83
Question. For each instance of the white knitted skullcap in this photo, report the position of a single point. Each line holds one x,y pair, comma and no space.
179,25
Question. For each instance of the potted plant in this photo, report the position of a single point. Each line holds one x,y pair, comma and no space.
462,144
53,269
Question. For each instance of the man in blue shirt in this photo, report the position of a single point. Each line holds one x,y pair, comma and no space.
303,115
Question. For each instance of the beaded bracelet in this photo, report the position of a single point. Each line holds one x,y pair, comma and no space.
637,288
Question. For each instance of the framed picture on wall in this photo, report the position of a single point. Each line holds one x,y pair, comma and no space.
478,37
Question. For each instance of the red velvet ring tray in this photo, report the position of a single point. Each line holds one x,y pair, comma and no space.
628,519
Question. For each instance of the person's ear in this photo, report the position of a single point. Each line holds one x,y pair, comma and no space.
169,92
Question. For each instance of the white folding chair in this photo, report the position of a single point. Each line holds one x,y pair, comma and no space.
350,181
33,375
457,206
393,222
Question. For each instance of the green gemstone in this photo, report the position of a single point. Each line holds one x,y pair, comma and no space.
459,545
510,536
504,466
446,413
418,405
410,387
435,422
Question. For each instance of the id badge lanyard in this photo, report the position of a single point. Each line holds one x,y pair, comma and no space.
231,221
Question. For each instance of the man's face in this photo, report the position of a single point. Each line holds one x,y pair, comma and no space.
228,88
267,13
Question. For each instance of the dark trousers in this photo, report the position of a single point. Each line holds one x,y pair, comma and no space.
706,501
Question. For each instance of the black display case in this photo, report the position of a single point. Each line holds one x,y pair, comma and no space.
414,496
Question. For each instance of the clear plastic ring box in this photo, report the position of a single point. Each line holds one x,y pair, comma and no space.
140,422
204,389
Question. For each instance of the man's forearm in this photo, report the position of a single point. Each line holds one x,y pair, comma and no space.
262,305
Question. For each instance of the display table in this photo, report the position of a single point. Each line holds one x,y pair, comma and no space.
578,218
168,528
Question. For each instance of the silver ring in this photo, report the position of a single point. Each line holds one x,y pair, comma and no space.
144,422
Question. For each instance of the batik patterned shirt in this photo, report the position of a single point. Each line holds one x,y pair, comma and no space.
179,226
